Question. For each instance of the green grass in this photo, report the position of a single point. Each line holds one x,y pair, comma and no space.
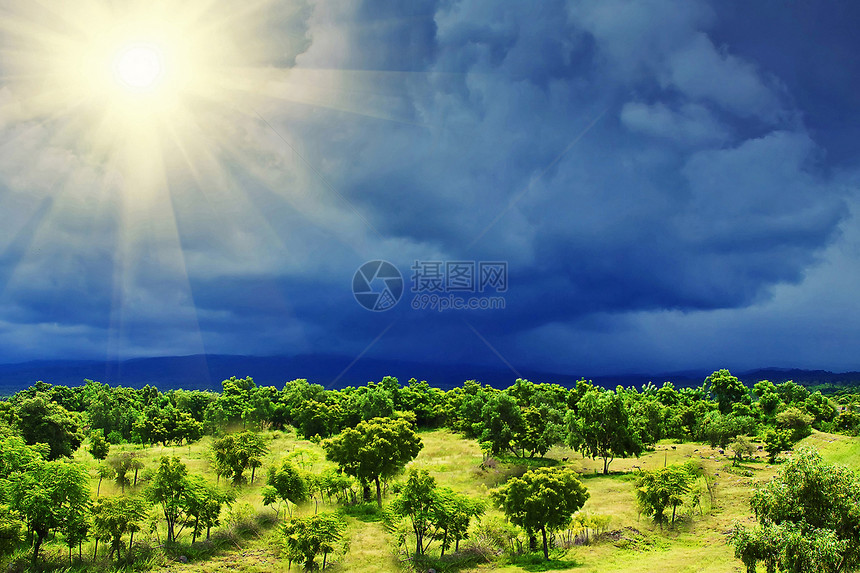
634,545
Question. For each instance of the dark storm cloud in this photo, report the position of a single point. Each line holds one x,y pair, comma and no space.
664,204
624,158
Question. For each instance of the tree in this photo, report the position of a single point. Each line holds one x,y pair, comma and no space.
42,421
808,520
602,427
203,504
776,442
307,537
373,450
659,489
168,489
726,389
796,421
121,464
166,425
103,471
10,530
542,500
434,513
235,453
284,483
99,447
821,408
50,497
502,423
114,517
417,503
719,430
542,429
742,448
452,515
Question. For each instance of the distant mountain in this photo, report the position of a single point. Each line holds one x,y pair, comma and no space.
207,372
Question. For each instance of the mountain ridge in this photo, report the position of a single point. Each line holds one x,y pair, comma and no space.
207,371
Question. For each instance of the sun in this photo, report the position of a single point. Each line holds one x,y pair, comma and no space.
139,67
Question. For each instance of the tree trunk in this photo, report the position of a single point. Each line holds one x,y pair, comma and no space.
673,514
96,550
378,493
170,537
208,529
324,558
99,487
36,545
605,465
253,469
135,476
130,543
545,548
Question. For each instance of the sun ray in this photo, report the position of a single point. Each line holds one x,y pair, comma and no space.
159,105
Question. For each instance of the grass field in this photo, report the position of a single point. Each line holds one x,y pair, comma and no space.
247,540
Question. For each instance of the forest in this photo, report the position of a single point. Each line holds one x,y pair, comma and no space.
408,477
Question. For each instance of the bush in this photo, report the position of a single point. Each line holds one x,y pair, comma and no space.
241,518
114,437
493,537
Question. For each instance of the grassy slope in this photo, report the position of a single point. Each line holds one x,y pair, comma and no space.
697,545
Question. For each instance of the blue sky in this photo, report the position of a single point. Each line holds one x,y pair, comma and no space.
672,184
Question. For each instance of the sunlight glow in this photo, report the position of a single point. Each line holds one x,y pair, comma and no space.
139,66
147,121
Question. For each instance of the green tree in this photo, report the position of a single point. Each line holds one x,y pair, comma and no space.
306,537
50,497
99,447
726,389
284,484
808,520
235,453
657,490
452,515
602,427
776,442
114,517
10,530
123,463
798,422
542,429
417,502
42,421
502,423
542,500
434,513
203,504
742,448
820,407
168,489
373,450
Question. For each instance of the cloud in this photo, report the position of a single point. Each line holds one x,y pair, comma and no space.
633,171
693,124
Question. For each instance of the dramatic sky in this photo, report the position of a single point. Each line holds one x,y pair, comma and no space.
672,184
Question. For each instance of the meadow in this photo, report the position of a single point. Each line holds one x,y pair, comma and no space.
249,540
